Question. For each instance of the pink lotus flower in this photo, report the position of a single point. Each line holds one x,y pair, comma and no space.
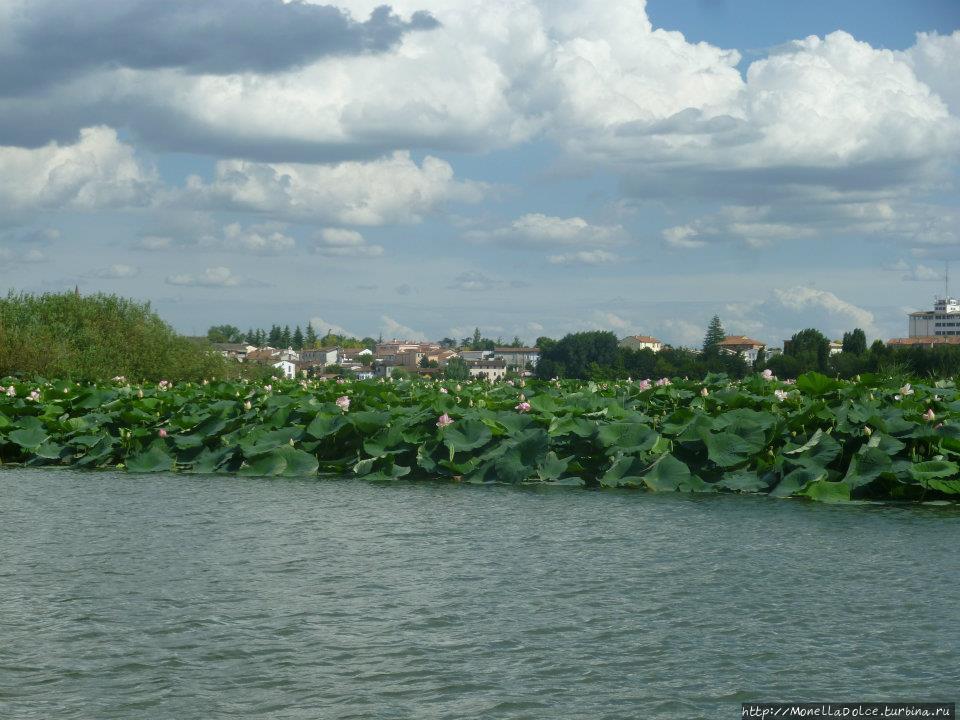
34,395
444,420
11,391
523,407
343,402
781,395
704,392
767,374
510,383
162,433
929,415
663,382
119,379
444,391
644,385
164,385
268,388
906,390
789,382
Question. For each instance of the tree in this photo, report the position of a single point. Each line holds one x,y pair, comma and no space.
251,337
448,342
225,334
286,339
275,337
297,339
575,354
456,369
310,339
855,342
714,336
475,344
810,348
761,360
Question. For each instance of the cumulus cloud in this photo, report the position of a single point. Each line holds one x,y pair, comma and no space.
321,327
339,242
786,311
393,329
96,171
583,257
934,60
211,277
48,41
263,239
916,273
117,271
18,256
683,236
394,189
540,229
474,281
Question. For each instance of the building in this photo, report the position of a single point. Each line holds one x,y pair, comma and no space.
320,356
741,345
474,355
518,357
641,342
943,320
234,351
836,347
289,368
928,341
491,369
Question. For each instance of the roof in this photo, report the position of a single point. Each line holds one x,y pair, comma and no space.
642,339
926,340
521,350
741,340
231,347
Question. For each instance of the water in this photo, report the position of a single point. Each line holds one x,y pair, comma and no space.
188,597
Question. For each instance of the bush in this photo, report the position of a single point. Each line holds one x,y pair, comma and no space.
97,337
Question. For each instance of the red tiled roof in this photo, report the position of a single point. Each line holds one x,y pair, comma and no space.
741,340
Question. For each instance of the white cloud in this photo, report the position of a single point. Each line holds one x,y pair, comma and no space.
934,58
321,327
787,311
211,277
154,243
396,330
394,189
97,171
583,257
683,236
540,229
117,271
16,256
916,273
265,239
343,243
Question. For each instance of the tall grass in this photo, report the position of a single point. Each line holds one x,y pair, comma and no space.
96,337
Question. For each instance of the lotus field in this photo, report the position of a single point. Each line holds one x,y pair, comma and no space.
817,438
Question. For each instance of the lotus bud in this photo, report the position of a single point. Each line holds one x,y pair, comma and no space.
704,392
140,393
929,415
867,431
162,433
247,405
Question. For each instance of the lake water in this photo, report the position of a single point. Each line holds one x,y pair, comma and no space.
194,597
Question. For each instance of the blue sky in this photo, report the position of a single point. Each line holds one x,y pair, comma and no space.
532,167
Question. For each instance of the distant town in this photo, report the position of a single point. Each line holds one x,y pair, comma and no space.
306,355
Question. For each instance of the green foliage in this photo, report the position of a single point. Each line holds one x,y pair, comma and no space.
855,342
819,439
456,369
579,355
225,334
97,337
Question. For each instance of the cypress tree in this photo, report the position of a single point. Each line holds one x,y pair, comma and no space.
713,338
298,339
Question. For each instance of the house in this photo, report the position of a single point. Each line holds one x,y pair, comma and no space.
741,345
641,342
487,369
320,356
265,355
474,355
836,347
288,367
518,357
234,351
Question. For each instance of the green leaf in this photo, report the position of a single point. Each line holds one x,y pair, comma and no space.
726,449
744,481
923,472
29,438
298,462
466,435
625,471
826,491
797,480
153,460
552,467
815,384
326,425
867,467
667,474
631,438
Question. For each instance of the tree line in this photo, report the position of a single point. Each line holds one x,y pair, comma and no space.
283,337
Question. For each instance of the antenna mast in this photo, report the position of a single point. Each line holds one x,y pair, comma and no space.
946,278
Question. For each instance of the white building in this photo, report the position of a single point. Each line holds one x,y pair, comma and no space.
741,345
320,356
289,368
487,369
641,342
943,320
518,357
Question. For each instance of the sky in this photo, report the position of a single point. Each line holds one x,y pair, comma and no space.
528,167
